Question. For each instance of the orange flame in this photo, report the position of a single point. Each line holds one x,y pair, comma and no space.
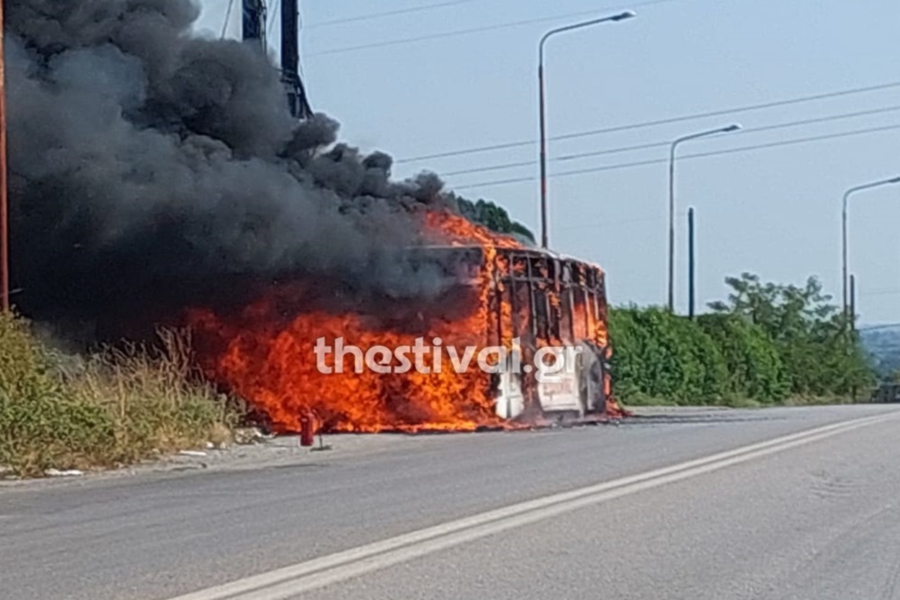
274,365
271,360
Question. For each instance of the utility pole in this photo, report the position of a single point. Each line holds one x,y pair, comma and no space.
4,198
691,266
254,22
290,60
254,30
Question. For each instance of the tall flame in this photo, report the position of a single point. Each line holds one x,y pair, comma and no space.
273,363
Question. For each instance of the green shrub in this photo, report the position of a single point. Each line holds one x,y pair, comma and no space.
765,344
660,355
40,425
755,369
826,366
118,406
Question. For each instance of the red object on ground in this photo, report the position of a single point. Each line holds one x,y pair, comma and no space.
615,410
307,430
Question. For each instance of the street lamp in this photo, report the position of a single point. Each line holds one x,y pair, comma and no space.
4,204
628,14
844,251
674,147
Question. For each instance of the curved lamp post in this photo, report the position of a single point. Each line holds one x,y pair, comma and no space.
628,14
844,241
673,148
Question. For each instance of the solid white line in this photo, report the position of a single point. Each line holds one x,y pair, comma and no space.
289,581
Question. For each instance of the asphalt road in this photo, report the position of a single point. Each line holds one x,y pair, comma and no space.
695,504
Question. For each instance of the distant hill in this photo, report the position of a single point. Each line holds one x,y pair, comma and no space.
883,343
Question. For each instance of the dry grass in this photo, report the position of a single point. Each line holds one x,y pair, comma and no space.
115,407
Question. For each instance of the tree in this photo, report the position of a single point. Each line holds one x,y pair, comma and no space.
808,330
491,216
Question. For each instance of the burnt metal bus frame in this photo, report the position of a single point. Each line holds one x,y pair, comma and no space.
574,283
528,281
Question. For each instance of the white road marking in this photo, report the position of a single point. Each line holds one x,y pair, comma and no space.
288,582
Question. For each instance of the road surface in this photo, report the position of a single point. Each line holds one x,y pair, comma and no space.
775,504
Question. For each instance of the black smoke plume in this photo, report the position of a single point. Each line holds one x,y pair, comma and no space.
152,170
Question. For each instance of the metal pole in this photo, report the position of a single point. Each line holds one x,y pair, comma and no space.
671,298
290,60
4,199
290,53
845,241
851,342
672,150
542,101
543,108
253,22
844,258
691,265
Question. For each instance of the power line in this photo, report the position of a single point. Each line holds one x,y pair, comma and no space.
227,18
667,121
685,157
273,16
459,32
390,13
668,142
881,293
618,223
530,163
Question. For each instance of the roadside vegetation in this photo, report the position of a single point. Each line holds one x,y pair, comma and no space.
114,407
765,344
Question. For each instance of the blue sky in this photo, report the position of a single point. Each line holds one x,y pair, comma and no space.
774,211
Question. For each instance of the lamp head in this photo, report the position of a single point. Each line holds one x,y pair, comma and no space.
628,14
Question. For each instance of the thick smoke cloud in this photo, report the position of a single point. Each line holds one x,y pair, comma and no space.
150,168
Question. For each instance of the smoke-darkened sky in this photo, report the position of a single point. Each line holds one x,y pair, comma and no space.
142,158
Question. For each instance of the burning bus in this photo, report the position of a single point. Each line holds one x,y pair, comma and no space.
495,293
537,306
223,212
